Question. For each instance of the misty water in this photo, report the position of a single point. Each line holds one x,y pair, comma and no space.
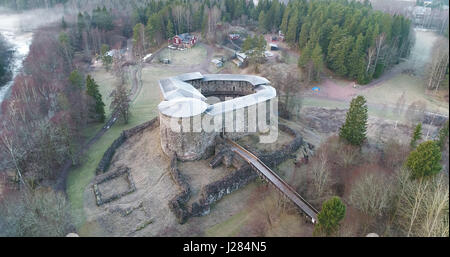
17,29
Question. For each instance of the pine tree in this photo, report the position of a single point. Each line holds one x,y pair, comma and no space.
170,29
76,79
425,160
106,58
355,126
356,64
417,135
262,21
305,56
99,106
304,34
292,29
317,59
443,136
63,24
285,19
328,219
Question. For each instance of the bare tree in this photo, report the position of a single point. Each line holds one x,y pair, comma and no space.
121,102
422,205
439,63
320,174
371,194
286,80
38,213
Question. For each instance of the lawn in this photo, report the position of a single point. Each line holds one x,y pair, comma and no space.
377,110
413,89
190,56
107,83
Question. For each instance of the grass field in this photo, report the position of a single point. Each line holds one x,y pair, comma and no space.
190,56
413,89
107,83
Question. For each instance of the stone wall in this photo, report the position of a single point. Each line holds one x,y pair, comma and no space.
211,87
243,175
109,176
434,119
178,204
109,153
187,144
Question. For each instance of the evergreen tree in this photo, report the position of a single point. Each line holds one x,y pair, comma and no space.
170,29
417,135
285,19
63,24
425,160
356,62
292,29
328,219
99,106
338,54
76,79
106,58
262,21
317,59
443,136
355,126
304,34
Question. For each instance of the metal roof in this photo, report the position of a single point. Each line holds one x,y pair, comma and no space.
172,88
190,76
263,93
181,99
182,107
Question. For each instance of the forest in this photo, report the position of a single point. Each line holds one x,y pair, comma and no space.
5,56
50,103
54,99
30,4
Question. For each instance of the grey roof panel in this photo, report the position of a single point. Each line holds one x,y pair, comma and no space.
172,88
182,107
190,76
183,100
264,93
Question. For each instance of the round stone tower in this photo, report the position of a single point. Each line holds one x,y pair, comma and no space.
181,129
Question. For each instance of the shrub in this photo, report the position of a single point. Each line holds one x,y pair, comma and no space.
424,161
333,211
39,213
371,194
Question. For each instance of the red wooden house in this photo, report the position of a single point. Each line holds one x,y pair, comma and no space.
184,40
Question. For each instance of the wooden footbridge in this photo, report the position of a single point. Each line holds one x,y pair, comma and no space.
270,176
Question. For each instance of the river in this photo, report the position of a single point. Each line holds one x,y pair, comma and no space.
17,29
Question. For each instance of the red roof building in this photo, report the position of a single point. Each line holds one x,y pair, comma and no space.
184,40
